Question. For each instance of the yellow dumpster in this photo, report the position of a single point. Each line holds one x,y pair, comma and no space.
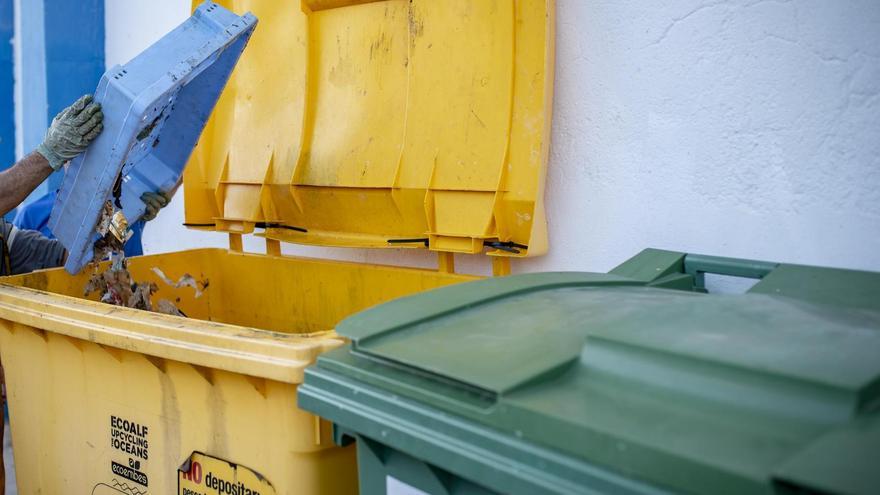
385,124
93,386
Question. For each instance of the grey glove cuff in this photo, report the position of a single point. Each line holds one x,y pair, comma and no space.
55,161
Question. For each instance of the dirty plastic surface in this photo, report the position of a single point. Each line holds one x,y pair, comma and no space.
222,381
390,124
155,108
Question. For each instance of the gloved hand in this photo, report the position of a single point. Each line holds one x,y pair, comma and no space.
154,202
72,131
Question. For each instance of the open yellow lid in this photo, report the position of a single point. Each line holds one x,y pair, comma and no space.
395,123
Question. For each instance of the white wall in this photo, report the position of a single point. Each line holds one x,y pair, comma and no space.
131,26
742,128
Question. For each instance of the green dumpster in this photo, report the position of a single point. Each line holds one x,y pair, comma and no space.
636,381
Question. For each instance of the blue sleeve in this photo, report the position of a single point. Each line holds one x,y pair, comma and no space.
35,215
134,246
21,219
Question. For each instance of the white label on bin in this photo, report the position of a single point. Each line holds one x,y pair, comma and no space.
394,486
205,475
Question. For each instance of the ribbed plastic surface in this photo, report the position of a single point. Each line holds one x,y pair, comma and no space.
386,124
155,108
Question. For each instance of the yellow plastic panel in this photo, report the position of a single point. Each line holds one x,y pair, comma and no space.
460,93
222,382
356,123
349,149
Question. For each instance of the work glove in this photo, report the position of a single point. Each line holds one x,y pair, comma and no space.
154,202
72,131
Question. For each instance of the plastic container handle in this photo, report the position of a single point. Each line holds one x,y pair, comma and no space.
699,265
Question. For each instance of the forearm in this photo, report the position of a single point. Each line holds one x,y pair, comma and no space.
21,179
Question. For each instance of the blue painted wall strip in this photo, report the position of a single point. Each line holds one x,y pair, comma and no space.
32,63
74,33
7,96
62,58
7,86
74,50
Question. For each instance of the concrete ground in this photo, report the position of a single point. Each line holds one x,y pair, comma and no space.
11,489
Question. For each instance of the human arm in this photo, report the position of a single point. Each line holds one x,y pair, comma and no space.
70,134
19,180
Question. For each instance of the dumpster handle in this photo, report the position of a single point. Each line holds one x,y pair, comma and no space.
699,265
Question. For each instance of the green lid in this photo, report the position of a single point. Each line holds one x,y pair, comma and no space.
679,390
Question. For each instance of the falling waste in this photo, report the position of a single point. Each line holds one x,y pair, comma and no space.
115,283
186,280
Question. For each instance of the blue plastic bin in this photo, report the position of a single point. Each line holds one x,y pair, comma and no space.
155,108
